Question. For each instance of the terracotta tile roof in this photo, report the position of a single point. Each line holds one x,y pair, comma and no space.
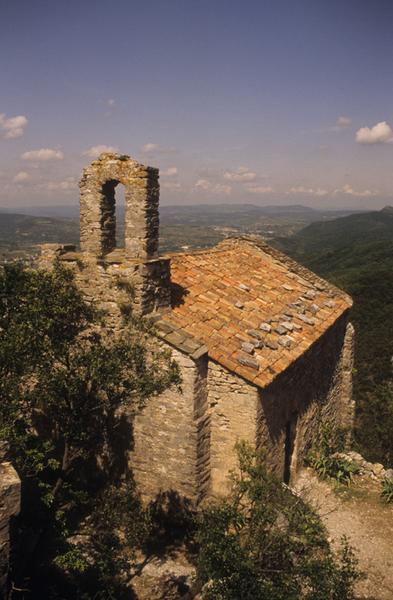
254,309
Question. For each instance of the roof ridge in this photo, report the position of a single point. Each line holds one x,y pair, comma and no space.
259,244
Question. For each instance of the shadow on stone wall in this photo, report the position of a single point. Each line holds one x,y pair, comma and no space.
299,398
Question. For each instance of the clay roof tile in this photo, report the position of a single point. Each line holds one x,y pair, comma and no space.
231,289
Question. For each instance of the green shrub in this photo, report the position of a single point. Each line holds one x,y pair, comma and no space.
387,489
326,460
263,541
333,467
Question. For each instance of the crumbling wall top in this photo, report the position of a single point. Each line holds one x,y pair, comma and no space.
111,165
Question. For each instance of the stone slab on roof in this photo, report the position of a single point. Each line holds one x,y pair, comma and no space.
255,309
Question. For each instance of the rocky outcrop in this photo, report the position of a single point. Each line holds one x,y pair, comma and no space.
366,468
9,507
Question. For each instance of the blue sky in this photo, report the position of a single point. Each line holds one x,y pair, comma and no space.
265,102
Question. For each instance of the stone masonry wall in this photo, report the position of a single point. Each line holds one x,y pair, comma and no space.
171,437
233,406
171,434
115,277
115,282
9,507
318,387
97,207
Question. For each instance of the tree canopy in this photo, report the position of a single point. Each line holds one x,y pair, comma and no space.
68,391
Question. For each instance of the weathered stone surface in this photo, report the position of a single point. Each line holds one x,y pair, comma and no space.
134,275
247,347
314,308
9,507
366,468
305,319
201,351
286,341
233,406
247,361
171,436
329,303
295,305
271,344
244,287
175,338
280,329
316,388
265,327
255,333
258,343
169,576
97,206
310,294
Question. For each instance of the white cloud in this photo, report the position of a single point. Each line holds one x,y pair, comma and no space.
321,192
21,176
95,151
222,189
381,133
148,148
343,122
214,188
203,184
43,154
111,102
169,172
241,174
13,127
66,185
259,189
348,189
303,190
171,185
151,148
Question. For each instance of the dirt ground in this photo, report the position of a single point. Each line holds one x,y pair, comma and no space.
358,513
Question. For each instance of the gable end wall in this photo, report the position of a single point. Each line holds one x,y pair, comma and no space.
316,388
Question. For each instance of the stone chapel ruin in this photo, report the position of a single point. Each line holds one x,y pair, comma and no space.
265,347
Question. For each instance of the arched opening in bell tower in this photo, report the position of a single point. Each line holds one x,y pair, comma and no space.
112,221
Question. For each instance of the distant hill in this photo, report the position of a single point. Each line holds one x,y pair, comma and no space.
356,253
230,214
195,226
321,237
24,230
66,211
199,212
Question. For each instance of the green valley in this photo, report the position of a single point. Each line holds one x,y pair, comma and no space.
356,253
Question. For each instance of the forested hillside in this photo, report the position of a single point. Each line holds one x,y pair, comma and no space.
19,230
356,253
